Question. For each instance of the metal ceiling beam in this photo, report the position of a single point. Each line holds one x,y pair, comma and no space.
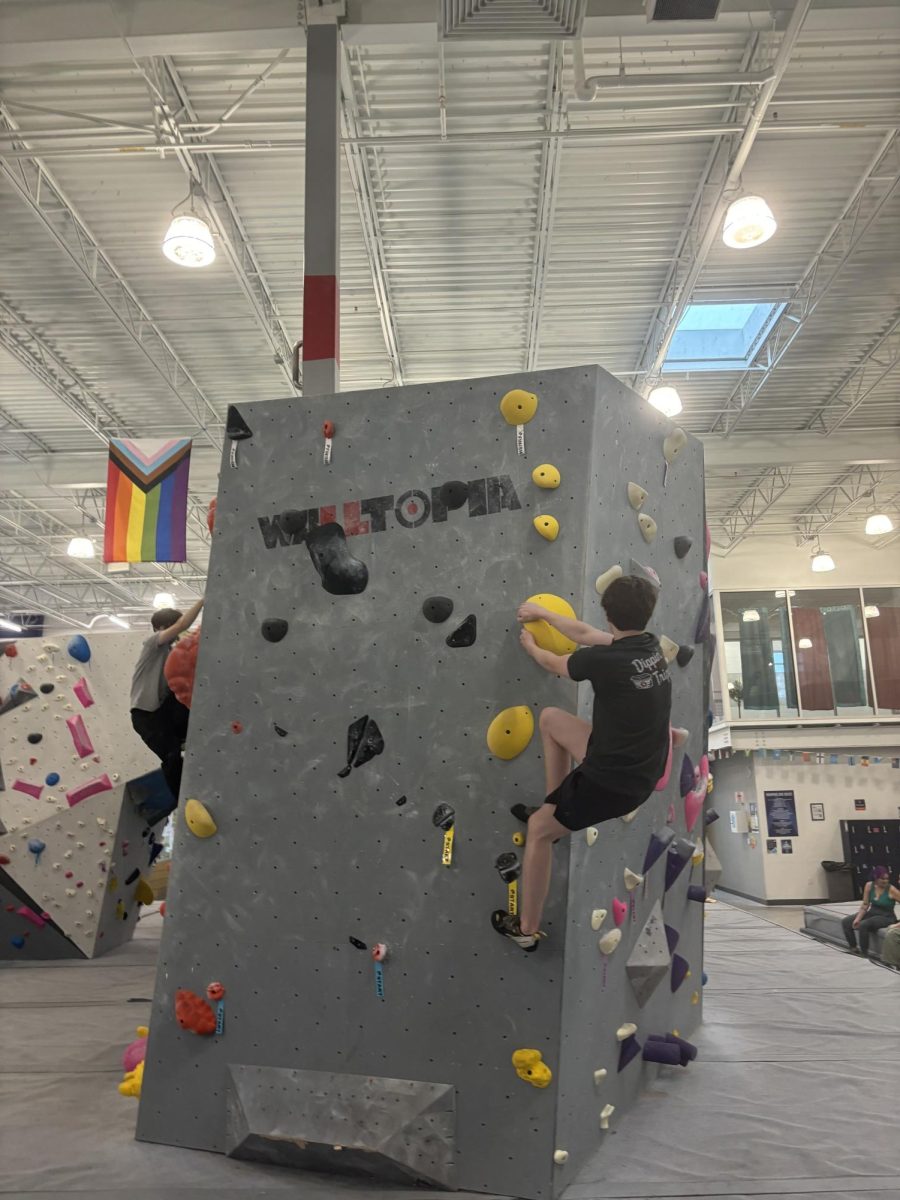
720,184
861,211
171,101
548,188
46,200
753,506
835,502
367,206
876,364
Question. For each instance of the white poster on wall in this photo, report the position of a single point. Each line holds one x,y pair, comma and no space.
732,816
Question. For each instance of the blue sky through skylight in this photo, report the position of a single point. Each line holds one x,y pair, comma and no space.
720,337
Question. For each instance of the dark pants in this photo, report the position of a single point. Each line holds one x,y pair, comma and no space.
164,732
868,925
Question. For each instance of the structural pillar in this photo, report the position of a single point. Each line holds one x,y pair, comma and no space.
322,215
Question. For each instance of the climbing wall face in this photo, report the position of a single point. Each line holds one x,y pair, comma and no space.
351,831
66,757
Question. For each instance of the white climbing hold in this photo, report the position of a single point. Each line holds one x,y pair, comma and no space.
674,444
636,495
609,941
603,581
648,527
629,1029
605,1113
632,879
560,1157
629,817
669,648
591,834
598,916
600,1075
70,891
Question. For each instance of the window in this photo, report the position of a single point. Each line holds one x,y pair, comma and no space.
720,337
756,637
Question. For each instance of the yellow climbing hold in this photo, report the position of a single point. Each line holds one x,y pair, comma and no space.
626,1031
600,1075
560,1157
669,648
609,941
698,856
510,731
198,818
133,1081
674,444
604,580
648,527
632,879
591,834
144,893
518,838
544,634
547,527
518,406
636,495
605,1113
695,997
546,476
531,1067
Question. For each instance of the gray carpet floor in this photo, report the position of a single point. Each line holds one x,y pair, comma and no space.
794,1093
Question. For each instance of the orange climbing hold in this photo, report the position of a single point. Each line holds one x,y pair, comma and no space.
193,1013
181,666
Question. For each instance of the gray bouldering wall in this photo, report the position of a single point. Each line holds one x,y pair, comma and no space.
342,797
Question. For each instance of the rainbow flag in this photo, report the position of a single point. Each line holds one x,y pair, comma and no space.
146,500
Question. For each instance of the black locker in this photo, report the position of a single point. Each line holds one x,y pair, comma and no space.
869,844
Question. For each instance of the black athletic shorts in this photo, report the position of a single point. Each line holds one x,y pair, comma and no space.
580,802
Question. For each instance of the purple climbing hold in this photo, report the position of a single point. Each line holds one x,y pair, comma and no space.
686,778
709,816
672,937
680,853
696,892
664,1053
687,1050
628,1051
680,968
659,843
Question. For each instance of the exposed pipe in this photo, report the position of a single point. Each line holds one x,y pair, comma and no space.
587,88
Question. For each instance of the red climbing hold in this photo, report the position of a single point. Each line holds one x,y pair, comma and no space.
162,909
215,991
193,1013
4,859
211,515
10,650
328,429
181,666
237,727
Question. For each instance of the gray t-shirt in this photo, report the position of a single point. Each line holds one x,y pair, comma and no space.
148,684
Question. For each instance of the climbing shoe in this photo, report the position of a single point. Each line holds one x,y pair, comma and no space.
508,926
523,811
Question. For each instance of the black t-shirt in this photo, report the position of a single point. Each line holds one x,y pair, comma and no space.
629,742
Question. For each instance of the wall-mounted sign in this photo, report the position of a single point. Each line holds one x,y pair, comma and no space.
787,846
771,846
859,805
781,814
817,812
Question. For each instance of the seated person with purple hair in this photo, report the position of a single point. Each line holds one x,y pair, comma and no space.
876,911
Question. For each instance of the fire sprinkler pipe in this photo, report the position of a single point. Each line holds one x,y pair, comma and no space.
587,88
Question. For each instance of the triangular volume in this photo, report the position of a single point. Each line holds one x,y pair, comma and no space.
236,428
659,842
648,962
680,853
628,1051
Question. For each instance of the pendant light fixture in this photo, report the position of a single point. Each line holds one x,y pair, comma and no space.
877,523
163,600
80,547
666,399
749,222
820,560
189,240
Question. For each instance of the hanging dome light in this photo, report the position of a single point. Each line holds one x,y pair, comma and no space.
805,644
189,242
163,600
80,547
749,222
750,614
821,561
870,611
878,523
667,400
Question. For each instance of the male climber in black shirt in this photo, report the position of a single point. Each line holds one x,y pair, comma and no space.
621,754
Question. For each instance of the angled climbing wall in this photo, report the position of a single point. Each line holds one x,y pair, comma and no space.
334,886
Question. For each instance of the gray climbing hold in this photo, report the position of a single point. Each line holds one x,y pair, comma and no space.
648,963
454,494
437,609
274,629
684,655
682,545
340,572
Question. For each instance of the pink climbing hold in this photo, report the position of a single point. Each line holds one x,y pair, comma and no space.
670,815
30,789
83,744
704,581
83,693
704,768
91,788
693,805
664,780
30,916
620,910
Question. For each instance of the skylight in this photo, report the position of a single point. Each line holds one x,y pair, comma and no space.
720,337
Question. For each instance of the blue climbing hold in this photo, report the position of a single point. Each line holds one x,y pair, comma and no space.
37,848
705,979
79,649
52,779
18,941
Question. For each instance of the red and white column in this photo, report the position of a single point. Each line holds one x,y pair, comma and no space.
322,212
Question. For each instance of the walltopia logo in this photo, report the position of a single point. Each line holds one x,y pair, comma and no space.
484,497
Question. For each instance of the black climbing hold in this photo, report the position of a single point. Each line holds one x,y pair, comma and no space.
682,545
465,634
400,801
34,738
340,572
443,817
47,688
236,428
508,866
273,629
454,494
281,732
437,609
701,628
358,944
132,877
364,742
684,655
293,521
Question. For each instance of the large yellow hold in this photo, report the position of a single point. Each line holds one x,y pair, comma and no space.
518,406
544,634
530,1066
546,476
199,820
510,731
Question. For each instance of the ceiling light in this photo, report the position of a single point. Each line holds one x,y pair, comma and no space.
189,242
750,614
821,561
749,222
163,600
10,625
878,523
667,400
871,610
805,644
80,547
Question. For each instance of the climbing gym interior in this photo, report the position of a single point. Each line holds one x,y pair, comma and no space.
361,363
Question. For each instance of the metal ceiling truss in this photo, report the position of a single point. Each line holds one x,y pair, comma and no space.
877,363
836,501
40,192
172,103
366,202
548,188
753,505
869,198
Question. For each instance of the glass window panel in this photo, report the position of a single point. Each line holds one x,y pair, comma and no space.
831,653
882,617
757,649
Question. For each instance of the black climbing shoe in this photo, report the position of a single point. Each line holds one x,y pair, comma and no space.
523,811
509,926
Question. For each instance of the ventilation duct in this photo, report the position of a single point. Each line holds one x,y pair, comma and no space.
511,18
682,10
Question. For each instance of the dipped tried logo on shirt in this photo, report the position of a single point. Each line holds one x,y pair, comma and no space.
650,672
